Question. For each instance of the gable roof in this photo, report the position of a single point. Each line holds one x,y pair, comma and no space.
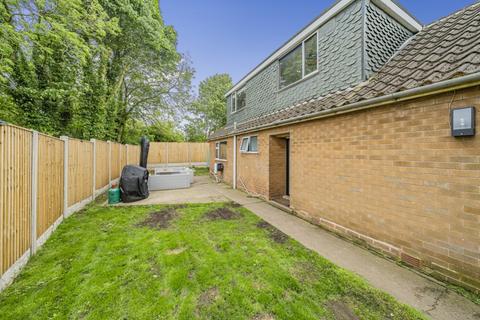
444,50
389,6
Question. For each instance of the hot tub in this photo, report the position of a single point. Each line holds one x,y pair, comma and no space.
167,178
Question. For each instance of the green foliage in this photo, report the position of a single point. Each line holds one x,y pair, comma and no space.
209,109
161,131
89,68
201,171
105,263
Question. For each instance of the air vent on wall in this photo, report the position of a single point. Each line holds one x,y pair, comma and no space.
412,261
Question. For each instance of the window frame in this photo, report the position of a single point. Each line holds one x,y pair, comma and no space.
217,150
248,139
234,100
304,76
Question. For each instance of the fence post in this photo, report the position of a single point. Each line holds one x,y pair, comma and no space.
126,154
119,161
65,175
109,163
166,146
33,234
189,157
94,166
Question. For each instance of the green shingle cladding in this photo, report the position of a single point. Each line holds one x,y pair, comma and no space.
383,37
340,54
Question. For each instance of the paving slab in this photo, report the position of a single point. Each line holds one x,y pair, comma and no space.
202,191
429,296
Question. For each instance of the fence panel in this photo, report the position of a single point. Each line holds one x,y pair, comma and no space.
157,152
15,194
178,152
101,164
32,173
123,156
199,152
133,154
50,182
115,158
80,170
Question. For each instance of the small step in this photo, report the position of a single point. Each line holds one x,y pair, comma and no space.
280,206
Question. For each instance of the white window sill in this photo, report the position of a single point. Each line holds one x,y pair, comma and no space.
224,160
249,152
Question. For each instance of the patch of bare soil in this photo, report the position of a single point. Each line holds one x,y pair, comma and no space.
160,219
234,204
179,206
223,214
263,317
208,297
341,310
275,234
305,272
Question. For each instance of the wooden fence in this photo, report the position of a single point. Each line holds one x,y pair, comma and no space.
191,153
43,180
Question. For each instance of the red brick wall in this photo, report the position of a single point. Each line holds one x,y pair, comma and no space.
391,176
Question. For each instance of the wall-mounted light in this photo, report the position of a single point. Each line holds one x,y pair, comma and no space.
463,122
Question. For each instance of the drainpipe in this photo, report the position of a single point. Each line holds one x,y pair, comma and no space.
234,162
234,181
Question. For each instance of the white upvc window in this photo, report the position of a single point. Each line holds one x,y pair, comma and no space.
300,62
221,150
249,144
239,100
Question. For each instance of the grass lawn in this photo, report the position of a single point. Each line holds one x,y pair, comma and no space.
207,261
202,171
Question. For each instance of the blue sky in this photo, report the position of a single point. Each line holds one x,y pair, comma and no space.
233,36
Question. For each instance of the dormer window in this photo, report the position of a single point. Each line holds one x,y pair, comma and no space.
300,62
239,100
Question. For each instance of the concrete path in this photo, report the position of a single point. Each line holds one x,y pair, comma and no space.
434,300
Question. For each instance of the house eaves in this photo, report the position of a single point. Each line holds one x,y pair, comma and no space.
389,6
428,90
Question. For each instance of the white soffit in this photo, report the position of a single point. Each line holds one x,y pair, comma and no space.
399,14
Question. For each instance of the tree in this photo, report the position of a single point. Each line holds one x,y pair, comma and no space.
49,45
90,68
161,131
209,110
144,57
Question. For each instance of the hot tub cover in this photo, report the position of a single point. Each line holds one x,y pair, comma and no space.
134,183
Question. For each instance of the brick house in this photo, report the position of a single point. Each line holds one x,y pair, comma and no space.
352,125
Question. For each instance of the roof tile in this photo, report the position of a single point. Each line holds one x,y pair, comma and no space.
443,50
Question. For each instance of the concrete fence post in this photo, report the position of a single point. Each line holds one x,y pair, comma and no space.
166,146
119,161
94,167
109,163
65,175
33,234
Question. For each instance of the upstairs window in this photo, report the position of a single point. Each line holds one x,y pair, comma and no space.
221,150
300,62
239,100
249,144
234,102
